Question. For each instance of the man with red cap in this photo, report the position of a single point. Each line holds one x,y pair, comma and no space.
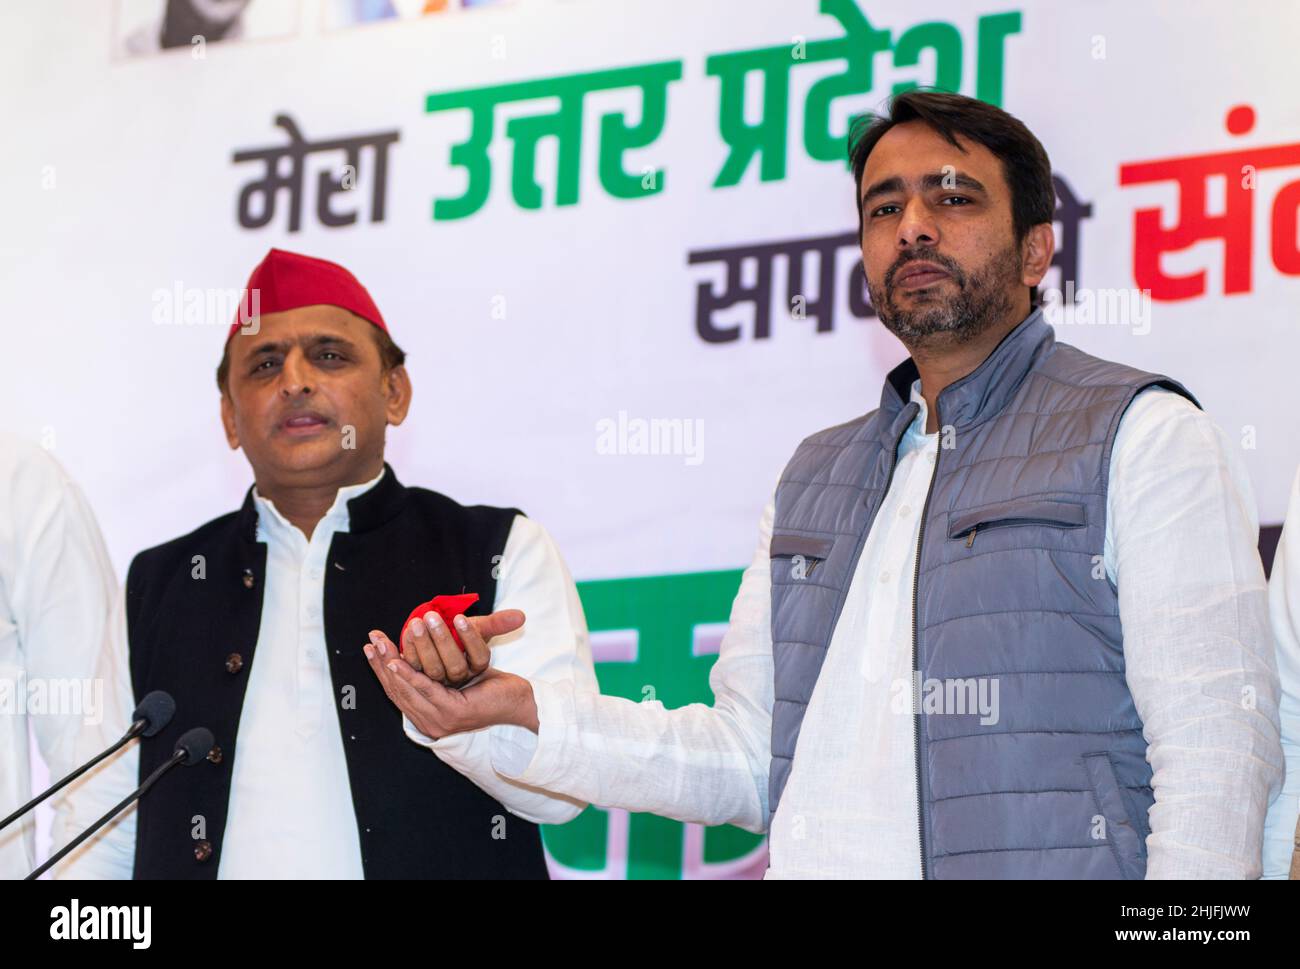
254,622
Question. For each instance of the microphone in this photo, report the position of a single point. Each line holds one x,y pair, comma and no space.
154,712
195,745
192,747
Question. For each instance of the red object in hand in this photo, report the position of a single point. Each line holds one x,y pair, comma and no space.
448,607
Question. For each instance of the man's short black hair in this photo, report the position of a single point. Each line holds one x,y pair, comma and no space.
391,356
1025,165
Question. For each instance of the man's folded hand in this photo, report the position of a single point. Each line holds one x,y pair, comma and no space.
490,696
429,646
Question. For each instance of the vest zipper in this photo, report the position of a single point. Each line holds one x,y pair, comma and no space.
916,668
1011,522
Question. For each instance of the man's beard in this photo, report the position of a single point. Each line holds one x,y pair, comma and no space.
982,299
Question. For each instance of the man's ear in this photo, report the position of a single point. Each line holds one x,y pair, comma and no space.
1037,251
397,391
228,420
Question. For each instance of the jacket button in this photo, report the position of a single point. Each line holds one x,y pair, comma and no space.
249,579
234,663
203,851
214,754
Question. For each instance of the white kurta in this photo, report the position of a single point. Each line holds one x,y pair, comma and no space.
290,803
57,589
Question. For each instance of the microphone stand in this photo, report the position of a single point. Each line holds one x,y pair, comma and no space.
136,729
177,757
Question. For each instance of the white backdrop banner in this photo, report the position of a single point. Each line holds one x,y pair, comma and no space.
618,242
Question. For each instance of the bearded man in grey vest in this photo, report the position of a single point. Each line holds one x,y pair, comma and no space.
1011,624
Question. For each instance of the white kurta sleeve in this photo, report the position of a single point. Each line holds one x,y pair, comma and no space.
697,763
1280,829
110,853
1183,530
59,586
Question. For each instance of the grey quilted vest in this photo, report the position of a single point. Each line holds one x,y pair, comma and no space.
1009,587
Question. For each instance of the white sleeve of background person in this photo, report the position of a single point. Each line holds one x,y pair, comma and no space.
1183,530
59,586
1280,831
697,763
552,647
110,853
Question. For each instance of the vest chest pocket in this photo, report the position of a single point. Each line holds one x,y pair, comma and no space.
1052,512
798,556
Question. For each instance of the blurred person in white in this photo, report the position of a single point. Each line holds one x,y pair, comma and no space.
1282,826
56,589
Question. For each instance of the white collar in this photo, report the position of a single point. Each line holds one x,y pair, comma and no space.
917,427
336,519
